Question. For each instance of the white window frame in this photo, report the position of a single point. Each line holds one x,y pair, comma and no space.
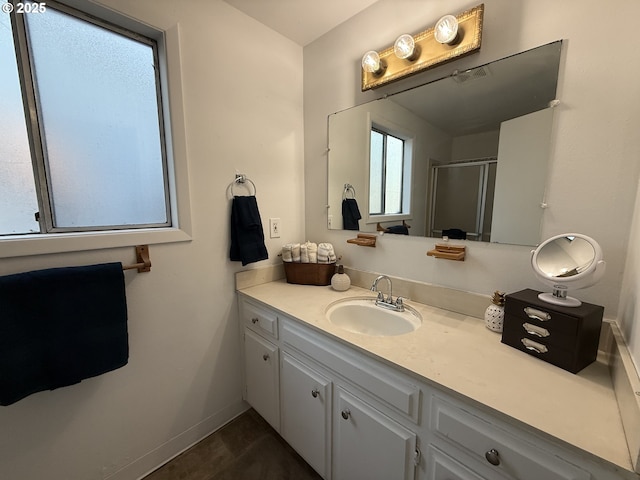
168,40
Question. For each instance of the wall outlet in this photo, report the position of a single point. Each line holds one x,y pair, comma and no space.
274,228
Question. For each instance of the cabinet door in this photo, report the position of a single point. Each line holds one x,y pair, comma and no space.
306,410
262,377
441,466
368,444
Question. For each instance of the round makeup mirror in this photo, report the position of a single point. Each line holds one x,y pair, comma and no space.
570,260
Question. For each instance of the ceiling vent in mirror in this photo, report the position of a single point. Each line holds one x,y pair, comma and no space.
473,74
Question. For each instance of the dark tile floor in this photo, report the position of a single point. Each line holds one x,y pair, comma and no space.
247,448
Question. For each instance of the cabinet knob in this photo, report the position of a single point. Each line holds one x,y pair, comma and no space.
315,392
265,357
493,457
255,320
346,413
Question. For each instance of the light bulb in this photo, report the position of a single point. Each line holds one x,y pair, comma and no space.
371,62
446,29
404,46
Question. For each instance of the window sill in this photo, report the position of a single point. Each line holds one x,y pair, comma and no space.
39,244
372,219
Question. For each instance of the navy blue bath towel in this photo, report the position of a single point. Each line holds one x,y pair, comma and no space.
59,326
350,214
247,236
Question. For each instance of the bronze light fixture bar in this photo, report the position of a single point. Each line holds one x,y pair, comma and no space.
428,51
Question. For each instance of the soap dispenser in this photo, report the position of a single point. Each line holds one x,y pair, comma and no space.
494,315
340,280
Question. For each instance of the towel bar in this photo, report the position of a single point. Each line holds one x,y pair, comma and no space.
142,258
242,179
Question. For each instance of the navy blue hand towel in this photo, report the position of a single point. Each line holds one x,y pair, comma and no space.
350,214
59,326
247,236
398,230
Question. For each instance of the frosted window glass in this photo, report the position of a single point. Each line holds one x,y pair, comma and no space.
18,201
375,173
394,171
99,116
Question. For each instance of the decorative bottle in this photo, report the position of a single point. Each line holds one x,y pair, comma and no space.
340,280
494,315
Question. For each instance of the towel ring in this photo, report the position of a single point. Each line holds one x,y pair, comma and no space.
243,179
348,188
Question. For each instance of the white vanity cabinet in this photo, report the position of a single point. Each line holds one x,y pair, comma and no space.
262,384
368,444
261,361
306,412
352,416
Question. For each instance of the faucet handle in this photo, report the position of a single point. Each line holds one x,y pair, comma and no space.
400,302
380,297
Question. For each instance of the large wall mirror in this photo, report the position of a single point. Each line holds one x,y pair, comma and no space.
464,156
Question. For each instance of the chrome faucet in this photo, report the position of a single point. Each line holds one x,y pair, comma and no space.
398,305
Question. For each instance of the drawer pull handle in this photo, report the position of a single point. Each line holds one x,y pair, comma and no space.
315,392
537,314
255,320
493,457
346,413
535,330
534,346
265,357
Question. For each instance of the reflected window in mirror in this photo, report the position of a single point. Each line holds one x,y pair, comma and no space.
388,173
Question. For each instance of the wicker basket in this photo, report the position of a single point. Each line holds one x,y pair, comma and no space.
309,273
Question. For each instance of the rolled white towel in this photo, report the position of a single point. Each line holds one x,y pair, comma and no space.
326,253
295,252
304,253
312,250
286,252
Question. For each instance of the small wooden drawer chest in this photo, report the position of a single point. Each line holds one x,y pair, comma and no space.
563,336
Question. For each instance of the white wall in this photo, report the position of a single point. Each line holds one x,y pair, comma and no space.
629,310
594,163
475,145
184,374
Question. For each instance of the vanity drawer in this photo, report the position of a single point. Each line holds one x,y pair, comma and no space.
538,332
497,448
554,354
542,316
259,319
392,389
567,337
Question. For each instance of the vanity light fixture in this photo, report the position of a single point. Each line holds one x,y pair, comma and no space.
452,37
405,47
371,63
446,30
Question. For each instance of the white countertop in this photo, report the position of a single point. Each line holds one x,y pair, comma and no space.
459,353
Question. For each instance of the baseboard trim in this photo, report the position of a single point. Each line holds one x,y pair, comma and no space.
166,452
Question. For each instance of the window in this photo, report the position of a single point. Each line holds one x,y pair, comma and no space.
89,153
389,173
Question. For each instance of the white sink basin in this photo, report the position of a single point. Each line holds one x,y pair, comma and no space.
362,315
